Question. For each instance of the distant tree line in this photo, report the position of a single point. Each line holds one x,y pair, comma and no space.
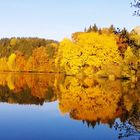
24,45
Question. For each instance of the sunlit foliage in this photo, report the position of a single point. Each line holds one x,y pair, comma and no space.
102,52
88,50
97,100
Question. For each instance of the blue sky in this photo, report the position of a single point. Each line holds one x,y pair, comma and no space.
56,19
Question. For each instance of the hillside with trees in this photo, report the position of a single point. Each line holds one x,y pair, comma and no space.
27,54
106,52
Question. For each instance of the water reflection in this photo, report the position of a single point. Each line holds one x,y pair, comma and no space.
27,88
91,100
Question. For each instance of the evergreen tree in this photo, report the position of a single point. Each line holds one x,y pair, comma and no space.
89,29
95,28
112,29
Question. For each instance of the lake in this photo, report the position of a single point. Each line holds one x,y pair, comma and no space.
52,107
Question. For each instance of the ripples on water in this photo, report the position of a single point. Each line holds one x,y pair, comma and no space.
49,106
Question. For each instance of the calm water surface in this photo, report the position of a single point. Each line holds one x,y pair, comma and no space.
52,107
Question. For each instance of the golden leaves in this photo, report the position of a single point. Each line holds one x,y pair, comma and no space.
88,50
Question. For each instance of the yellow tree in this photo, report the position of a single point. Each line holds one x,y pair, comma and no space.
11,62
13,41
40,60
130,63
3,64
20,61
88,53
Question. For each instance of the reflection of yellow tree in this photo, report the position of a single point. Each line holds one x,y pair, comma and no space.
10,82
90,100
131,95
84,99
41,86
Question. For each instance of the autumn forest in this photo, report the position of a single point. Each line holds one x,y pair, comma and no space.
94,76
103,52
